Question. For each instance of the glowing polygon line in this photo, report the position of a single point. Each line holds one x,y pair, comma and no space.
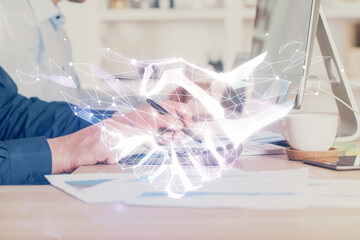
288,44
313,84
31,78
319,59
210,145
59,76
235,76
177,77
61,80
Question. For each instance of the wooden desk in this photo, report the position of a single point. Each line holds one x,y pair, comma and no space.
44,212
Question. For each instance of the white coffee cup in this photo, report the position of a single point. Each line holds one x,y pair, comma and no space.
310,131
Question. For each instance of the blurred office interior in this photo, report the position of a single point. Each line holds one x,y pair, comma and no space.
204,32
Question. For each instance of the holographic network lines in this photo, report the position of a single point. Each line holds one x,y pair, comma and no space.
227,108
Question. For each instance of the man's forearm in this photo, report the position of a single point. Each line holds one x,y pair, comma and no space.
31,117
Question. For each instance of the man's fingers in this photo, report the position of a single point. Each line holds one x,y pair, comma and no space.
179,95
166,137
170,122
181,110
178,135
185,112
111,161
187,119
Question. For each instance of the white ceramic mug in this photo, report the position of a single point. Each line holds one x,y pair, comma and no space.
310,131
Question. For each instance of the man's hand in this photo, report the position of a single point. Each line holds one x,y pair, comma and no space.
77,149
180,95
148,119
86,148
168,127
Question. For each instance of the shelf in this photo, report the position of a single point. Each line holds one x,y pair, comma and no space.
343,11
353,14
340,13
161,15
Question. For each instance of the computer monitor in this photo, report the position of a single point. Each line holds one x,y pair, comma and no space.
287,31
284,28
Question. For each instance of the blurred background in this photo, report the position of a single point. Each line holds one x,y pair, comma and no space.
206,32
201,31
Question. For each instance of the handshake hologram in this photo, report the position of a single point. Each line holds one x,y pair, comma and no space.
223,120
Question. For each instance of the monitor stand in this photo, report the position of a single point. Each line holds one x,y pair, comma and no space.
348,129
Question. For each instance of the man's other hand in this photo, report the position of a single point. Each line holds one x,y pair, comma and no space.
77,149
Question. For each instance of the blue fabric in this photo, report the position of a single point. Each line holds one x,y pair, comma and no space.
25,123
28,160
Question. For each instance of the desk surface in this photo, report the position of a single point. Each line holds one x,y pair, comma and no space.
44,212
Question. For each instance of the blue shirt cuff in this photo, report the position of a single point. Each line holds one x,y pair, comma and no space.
30,160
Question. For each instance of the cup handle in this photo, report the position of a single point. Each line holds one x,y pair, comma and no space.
283,129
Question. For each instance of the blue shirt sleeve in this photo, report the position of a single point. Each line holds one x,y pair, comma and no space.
25,123
25,161
22,117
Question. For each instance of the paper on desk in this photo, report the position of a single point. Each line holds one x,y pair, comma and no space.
92,188
260,144
333,193
261,149
239,189
236,188
265,137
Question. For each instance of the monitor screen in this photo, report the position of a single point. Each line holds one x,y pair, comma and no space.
282,29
